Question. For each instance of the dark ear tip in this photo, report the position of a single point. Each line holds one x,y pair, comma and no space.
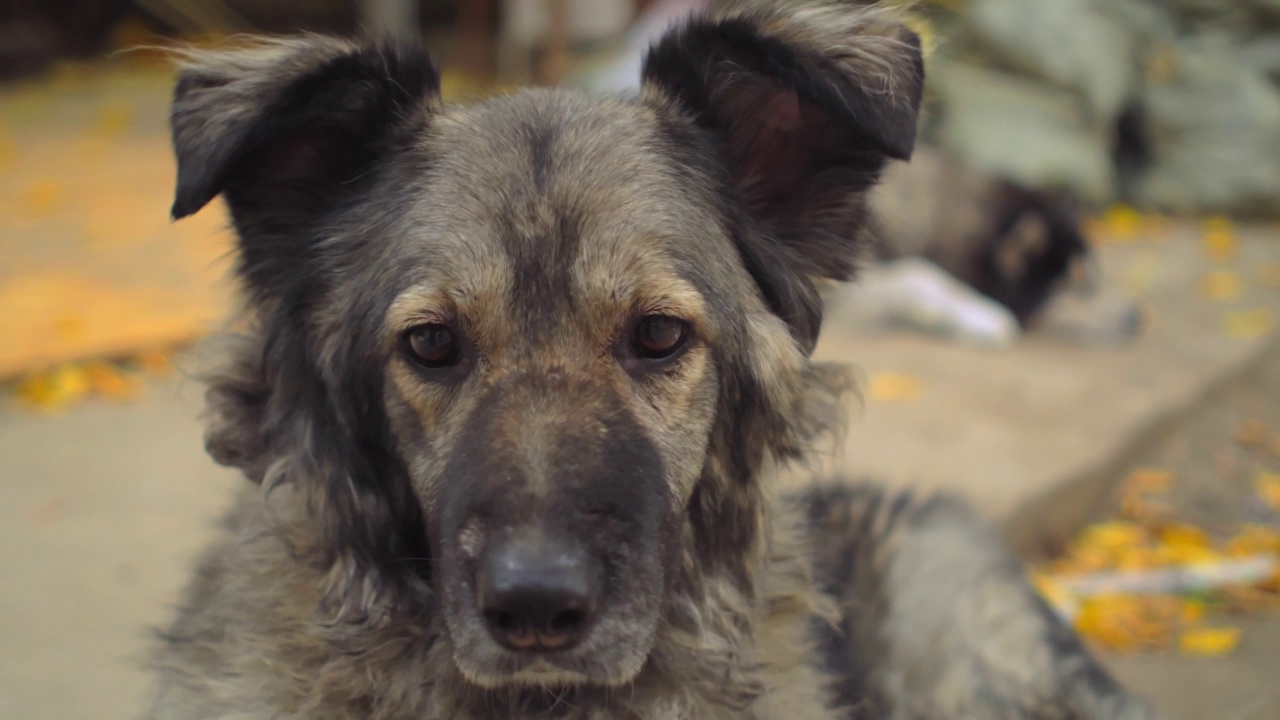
185,205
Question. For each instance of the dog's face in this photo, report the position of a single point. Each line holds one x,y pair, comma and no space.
525,357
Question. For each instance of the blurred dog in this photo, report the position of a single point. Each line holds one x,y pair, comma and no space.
517,383
979,258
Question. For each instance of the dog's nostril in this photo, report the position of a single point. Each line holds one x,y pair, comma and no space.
504,621
567,621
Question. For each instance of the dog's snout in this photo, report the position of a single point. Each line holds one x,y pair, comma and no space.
537,597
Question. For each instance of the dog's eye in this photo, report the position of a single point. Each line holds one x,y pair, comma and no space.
433,345
658,337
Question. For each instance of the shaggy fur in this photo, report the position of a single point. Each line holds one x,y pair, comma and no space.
541,234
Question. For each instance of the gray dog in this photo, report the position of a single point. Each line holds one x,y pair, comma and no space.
516,382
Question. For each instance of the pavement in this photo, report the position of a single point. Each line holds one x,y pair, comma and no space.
103,507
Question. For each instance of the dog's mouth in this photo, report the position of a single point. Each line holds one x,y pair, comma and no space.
533,671
491,668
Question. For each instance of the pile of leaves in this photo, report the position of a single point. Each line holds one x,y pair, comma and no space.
1149,581
117,380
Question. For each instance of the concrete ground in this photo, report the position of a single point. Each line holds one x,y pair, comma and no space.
103,508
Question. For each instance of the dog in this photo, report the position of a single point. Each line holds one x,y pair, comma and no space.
980,258
516,381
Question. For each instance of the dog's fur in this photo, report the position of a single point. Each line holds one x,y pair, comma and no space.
540,227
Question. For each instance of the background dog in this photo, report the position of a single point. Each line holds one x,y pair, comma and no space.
977,257
517,380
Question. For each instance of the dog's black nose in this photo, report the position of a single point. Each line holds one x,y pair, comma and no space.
537,597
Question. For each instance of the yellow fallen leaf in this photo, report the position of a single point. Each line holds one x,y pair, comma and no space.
42,197
1185,545
1139,495
1129,622
1209,641
1193,611
110,382
1248,324
1253,433
894,387
1139,558
1221,285
1113,534
155,362
1121,222
1149,480
1267,485
1253,540
1186,554
1185,536
1083,560
54,389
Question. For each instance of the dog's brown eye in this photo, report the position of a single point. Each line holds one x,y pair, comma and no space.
434,345
658,337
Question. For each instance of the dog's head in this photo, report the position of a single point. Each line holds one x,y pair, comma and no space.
1037,263
525,357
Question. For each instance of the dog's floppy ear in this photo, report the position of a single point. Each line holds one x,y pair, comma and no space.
280,125
807,106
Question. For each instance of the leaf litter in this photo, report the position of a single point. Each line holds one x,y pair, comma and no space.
1149,579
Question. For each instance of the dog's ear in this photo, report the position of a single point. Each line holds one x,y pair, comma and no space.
807,106
284,130
279,126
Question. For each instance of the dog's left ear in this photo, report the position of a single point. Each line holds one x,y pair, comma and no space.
807,106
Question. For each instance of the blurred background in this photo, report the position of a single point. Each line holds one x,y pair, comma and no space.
1141,482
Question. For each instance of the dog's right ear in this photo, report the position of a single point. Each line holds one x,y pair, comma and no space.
280,125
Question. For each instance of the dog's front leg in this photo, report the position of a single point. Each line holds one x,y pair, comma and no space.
938,620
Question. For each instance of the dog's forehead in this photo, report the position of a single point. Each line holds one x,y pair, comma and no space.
541,197
518,160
